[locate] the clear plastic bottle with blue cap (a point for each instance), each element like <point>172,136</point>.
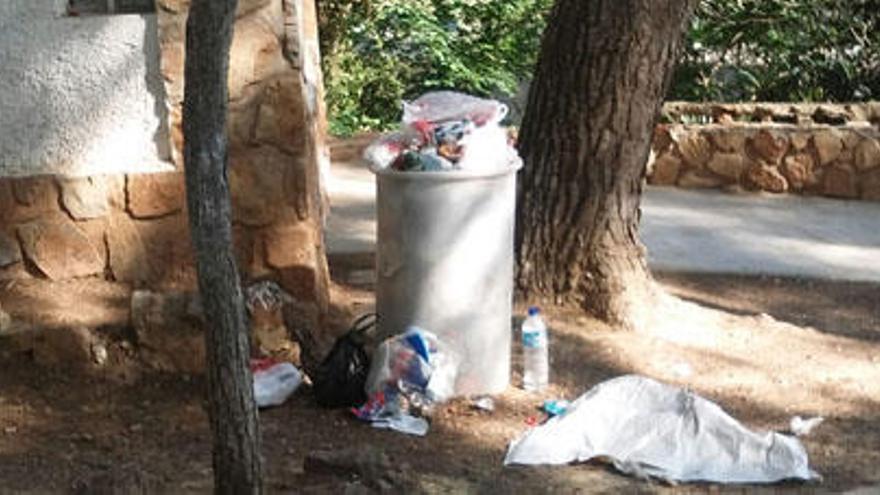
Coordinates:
<point>536,359</point>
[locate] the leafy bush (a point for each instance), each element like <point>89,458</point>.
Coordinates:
<point>378,52</point>
<point>781,50</point>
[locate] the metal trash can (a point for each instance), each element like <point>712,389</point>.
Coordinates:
<point>444,263</point>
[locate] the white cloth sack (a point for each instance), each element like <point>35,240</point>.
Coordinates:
<point>648,428</point>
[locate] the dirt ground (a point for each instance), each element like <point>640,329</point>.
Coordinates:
<point>764,348</point>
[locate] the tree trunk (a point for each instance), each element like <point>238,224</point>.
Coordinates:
<point>602,74</point>
<point>233,414</point>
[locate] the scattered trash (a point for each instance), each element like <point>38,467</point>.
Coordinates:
<point>649,429</point>
<point>445,130</point>
<point>341,378</point>
<point>266,295</point>
<point>555,407</point>
<point>536,359</point>
<point>802,427</point>
<point>410,373</point>
<point>99,353</point>
<point>274,382</point>
<point>484,403</point>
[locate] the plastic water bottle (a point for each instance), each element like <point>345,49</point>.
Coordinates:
<point>536,365</point>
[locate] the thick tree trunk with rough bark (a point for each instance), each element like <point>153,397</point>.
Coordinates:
<point>602,74</point>
<point>233,414</point>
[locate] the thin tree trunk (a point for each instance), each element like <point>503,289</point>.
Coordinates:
<point>602,74</point>
<point>233,414</point>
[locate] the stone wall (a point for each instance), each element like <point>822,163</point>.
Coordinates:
<point>133,227</point>
<point>828,150</point>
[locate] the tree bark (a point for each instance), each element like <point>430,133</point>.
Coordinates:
<point>602,74</point>
<point>233,414</point>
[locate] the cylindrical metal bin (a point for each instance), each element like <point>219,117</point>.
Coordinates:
<point>444,263</point>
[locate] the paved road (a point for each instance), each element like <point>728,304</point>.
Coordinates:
<point>695,231</point>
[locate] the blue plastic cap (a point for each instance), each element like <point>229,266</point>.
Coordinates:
<point>534,310</point>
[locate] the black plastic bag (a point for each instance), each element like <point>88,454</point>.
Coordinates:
<point>340,379</point>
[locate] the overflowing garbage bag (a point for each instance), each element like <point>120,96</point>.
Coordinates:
<point>409,374</point>
<point>446,131</point>
<point>650,429</point>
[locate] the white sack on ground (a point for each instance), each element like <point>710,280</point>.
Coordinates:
<point>649,428</point>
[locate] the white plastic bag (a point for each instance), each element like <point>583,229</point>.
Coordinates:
<point>443,106</point>
<point>275,383</point>
<point>415,363</point>
<point>486,148</point>
<point>648,428</point>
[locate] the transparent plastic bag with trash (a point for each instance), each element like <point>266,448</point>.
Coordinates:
<point>409,374</point>
<point>445,131</point>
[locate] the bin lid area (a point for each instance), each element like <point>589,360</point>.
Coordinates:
<point>447,175</point>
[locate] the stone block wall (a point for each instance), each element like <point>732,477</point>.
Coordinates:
<point>827,150</point>
<point>133,227</point>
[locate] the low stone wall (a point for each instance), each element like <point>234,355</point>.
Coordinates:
<point>828,150</point>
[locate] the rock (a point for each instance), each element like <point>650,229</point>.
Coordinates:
<point>256,184</point>
<point>246,7</point>
<point>695,149</point>
<point>64,347</point>
<point>867,154</point>
<point>7,201</point>
<point>84,198</point>
<point>168,336</point>
<point>115,186</point>
<point>662,140</point>
<point>798,169</point>
<point>839,182</point>
<point>10,252</point>
<point>240,125</point>
<point>155,195</point>
<point>128,255</point>
<point>799,140</point>
<point>30,191</point>
<point>33,197</point>
<point>764,177</point>
<point>173,6</point>
<point>59,249</point>
<point>362,461</point>
<point>730,165</point>
<point>254,55</point>
<point>665,170</point>
<point>291,245</point>
<point>870,185</point>
<point>697,179</point>
<point>729,139</point>
<point>769,146</point>
<point>281,115</point>
<point>168,246</point>
<point>5,321</point>
<point>828,145</point>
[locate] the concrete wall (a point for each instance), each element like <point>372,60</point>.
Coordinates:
<point>79,95</point>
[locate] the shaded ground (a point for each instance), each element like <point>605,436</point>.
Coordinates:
<point>782,347</point>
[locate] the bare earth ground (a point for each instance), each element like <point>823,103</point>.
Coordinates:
<point>764,348</point>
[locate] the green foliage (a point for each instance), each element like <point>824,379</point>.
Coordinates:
<point>781,50</point>
<point>378,53</point>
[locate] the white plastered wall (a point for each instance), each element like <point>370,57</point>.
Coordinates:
<point>79,95</point>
